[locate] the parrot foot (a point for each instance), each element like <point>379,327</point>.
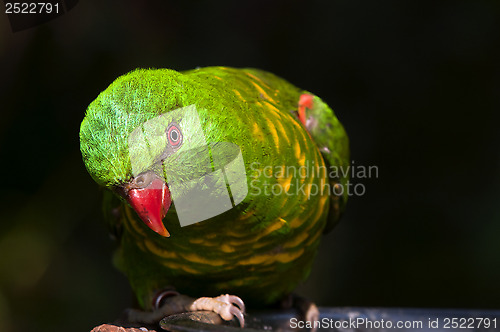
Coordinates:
<point>170,302</point>
<point>226,306</point>
<point>307,309</point>
<point>115,328</point>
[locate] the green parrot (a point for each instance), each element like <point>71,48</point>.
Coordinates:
<point>219,180</point>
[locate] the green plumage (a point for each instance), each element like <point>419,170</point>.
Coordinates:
<point>264,246</point>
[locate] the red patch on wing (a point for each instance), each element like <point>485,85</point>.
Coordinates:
<point>305,101</point>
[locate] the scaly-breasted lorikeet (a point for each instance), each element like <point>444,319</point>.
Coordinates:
<point>239,165</point>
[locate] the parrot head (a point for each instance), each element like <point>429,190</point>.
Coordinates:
<point>137,137</point>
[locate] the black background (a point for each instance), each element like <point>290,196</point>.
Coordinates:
<point>416,85</point>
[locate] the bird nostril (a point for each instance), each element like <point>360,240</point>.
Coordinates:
<point>142,180</point>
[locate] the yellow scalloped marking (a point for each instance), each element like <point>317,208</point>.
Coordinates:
<point>227,248</point>
<point>283,132</point>
<point>160,252</point>
<point>246,215</point>
<point>132,223</point>
<point>257,259</point>
<point>238,94</point>
<point>296,222</point>
<point>257,79</point>
<point>296,150</point>
<point>192,257</point>
<point>301,237</point>
<point>274,133</point>
<point>176,266</point>
<point>195,240</point>
<point>277,224</point>
<point>275,111</point>
<point>241,242</point>
<point>257,131</point>
<point>265,259</point>
<point>313,238</point>
<point>263,92</point>
<point>285,182</point>
<point>287,257</point>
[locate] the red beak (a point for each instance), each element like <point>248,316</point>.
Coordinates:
<point>151,204</point>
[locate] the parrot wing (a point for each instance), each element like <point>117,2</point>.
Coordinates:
<point>328,134</point>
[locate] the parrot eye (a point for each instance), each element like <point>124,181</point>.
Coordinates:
<point>174,135</point>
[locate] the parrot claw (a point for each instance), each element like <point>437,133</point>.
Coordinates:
<point>226,306</point>
<point>170,302</point>
<point>306,309</point>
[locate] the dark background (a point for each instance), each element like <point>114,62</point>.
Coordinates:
<point>417,86</point>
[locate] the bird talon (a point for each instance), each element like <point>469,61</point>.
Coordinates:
<point>232,299</point>
<point>238,314</point>
<point>226,306</point>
